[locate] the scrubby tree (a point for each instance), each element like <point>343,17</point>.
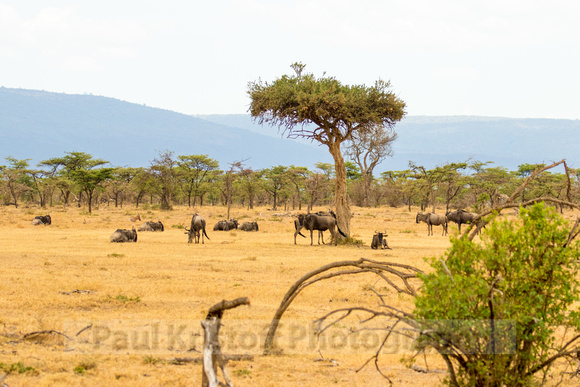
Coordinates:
<point>196,172</point>
<point>72,170</point>
<point>274,181</point>
<point>16,178</point>
<point>297,179</point>
<point>163,171</point>
<point>368,148</point>
<point>325,110</point>
<point>90,179</point>
<point>250,184</point>
<point>488,182</point>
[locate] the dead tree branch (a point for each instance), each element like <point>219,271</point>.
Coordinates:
<point>363,265</point>
<point>212,353</point>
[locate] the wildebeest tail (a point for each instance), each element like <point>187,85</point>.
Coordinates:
<point>340,231</point>
<point>205,233</point>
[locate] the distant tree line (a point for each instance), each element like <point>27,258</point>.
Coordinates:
<point>79,179</point>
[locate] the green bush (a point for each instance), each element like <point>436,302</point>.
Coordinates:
<point>493,308</point>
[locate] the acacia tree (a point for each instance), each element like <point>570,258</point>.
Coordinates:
<point>368,148</point>
<point>275,179</point>
<point>197,171</point>
<point>89,180</point>
<point>15,177</point>
<point>249,182</point>
<point>163,170</point>
<point>325,110</point>
<point>297,179</point>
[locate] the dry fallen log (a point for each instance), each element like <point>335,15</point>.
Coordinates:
<point>212,353</point>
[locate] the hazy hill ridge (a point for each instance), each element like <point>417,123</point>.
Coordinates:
<point>40,125</point>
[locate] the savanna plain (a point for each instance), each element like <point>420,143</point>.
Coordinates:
<point>76,309</point>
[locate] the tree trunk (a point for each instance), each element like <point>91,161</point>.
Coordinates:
<point>343,214</point>
<point>367,180</point>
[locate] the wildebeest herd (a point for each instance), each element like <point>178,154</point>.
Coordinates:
<point>320,221</point>
<point>431,219</point>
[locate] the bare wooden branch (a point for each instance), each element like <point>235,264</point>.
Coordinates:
<point>46,332</point>
<point>363,265</point>
<point>212,353</point>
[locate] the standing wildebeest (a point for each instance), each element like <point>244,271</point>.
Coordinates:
<point>298,224</point>
<point>249,226</point>
<point>321,223</point>
<point>121,235</point>
<point>151,226</point>
<point>196,229</point>
<point>226,225</point>
<point>432,219</point>
<point>38,220</point>
<point>461,216</point>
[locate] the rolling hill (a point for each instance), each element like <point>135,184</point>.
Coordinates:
<point>38,125</point>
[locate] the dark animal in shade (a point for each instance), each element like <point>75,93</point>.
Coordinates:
<point>121,236</point>
<point>379,240</point>
<point>432,219</point>
<point>249,226</point>
<point>196,229</point>
<point>38,220</point>
<point>461,216</point>
<point>152,226</point>
<point>226,225</point>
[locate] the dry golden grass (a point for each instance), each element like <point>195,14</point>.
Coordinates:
<point>161,277</point>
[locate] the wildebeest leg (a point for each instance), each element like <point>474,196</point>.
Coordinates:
<point>320,235</point>
<point>311,237</point>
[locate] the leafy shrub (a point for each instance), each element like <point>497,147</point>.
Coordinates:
<point>493,308</point>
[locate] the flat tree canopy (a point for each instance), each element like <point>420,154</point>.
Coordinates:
<point>325,110</point>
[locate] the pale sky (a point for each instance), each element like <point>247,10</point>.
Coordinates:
<point>503,58</point>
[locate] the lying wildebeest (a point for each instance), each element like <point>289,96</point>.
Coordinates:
<point>151,226</point>
<point>432,219</point>
<point>380,240</point>
<point>249,226</point>
<point>196,229</point>
<point>226,225</point>
<point>321,223</point>
<point>121,235</point>
<point>38,220</point>
<point>461,216</point>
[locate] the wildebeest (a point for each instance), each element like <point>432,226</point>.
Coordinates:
<point>196,229</point>
<point>432,219</point>
<point>379,240</point>
<point>226,225</point>
<point>38,220</point>
<point>321,223</point>
<point>249,226</point>
<point>461,216</point>
<point>121,235</point>
<point>152,226</point>
<point>299,223</point>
